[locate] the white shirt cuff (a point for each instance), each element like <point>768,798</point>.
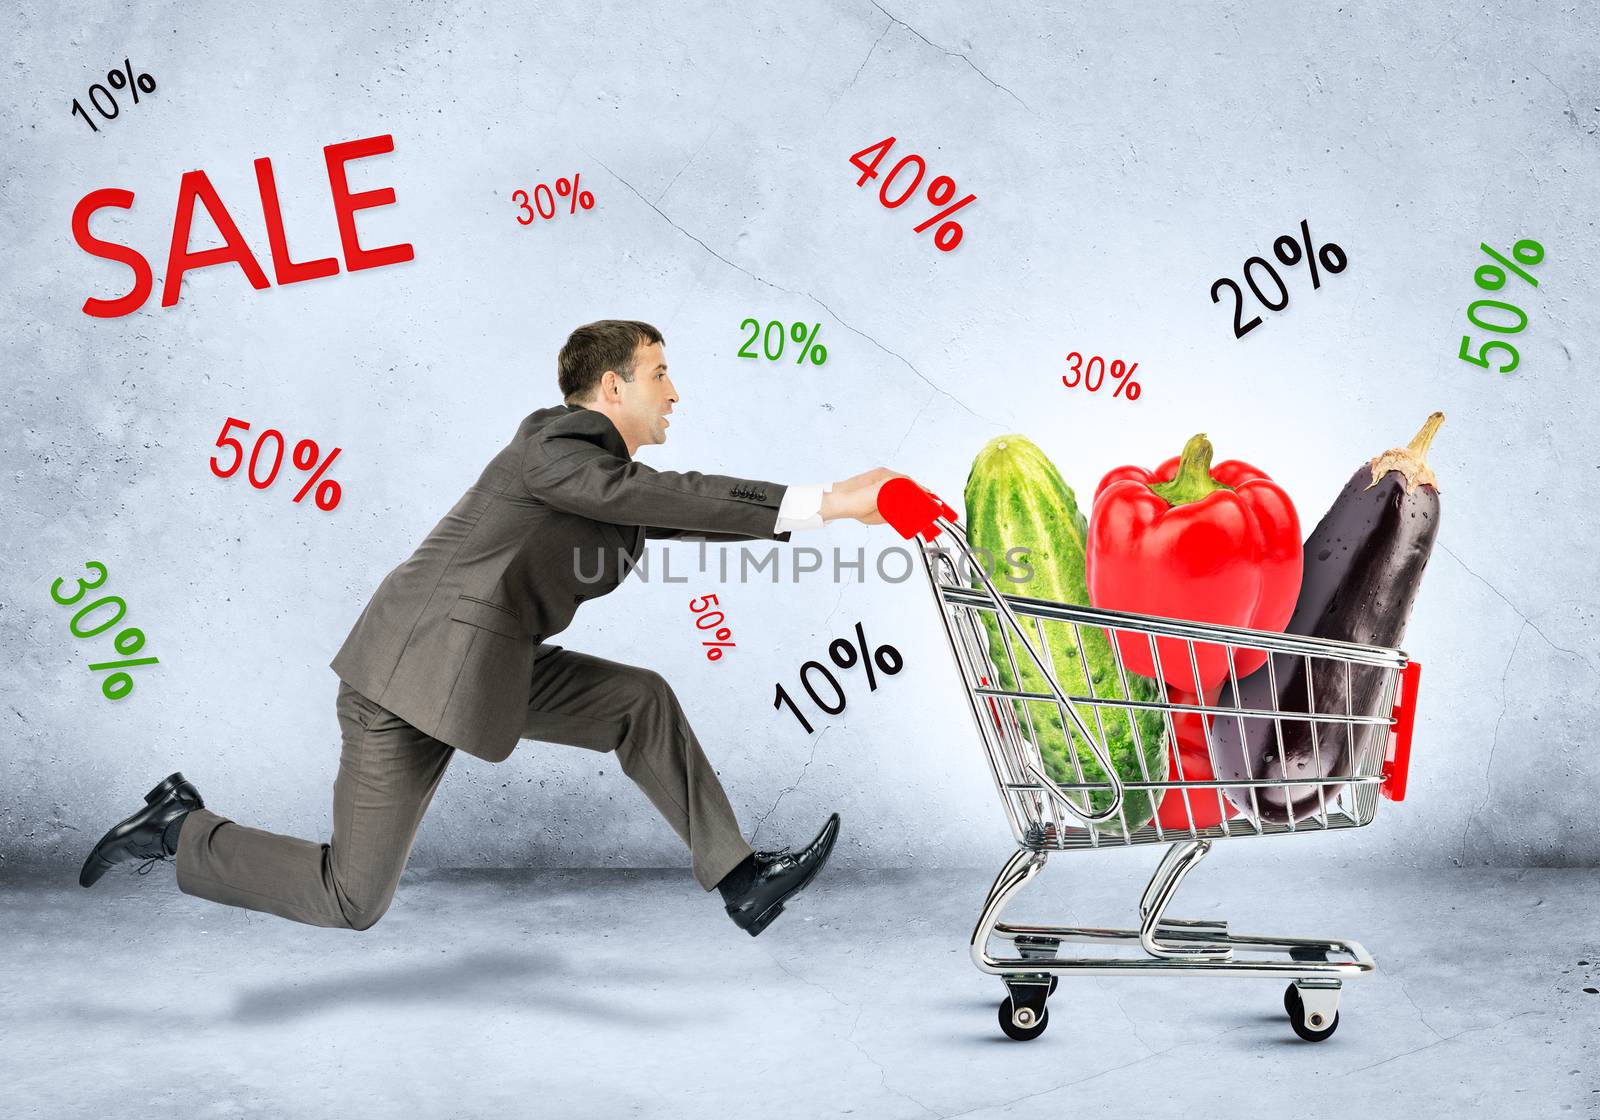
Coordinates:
<point>801,508</point>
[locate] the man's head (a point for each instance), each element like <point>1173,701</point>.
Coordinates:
<point>617,367</point>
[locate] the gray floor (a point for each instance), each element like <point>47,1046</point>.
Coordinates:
<point>628,993</point>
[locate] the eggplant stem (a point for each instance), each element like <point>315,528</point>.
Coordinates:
<point>1419,442</point>
<point>1411,460</point>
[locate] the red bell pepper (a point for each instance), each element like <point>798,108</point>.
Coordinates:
<point>1190,541</point>
<point>1186,748</point>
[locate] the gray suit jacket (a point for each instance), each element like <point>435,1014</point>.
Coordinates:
<point>447,642</point>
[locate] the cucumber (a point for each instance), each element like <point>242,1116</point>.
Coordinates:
<point>1016,498</point>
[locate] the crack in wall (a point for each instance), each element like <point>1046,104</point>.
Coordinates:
<point>883,1079</point>
<point>762,820</point>
<point>851,84</point>
<point>883,1074</point>
<point>1132,1025</point>
<point>836,602</point>
<point>686,163</point>
<point>1441,1041</point>
<point>1433,53</point>
<point>912,426</point>
<point>1417,1009</point>
<point>854,78</point>
<point>1501,596</point>
<point>812,983</point>
<point>1488,770</point>
<point>955,54</point>
<point>1090,1077</point>
<point>1571,114</point>
<point>790,291</point>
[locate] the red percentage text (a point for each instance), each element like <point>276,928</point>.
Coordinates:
<point>564,188</point>
<point>940,191</point>
<point>713,649</point>
<point>1091,379</point>
<point>305,456</point>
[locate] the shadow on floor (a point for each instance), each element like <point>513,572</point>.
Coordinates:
<point>519,980</point>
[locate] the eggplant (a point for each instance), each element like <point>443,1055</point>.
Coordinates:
<point>1363,565</point>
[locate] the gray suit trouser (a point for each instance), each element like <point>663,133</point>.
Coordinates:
<point>388,772</point>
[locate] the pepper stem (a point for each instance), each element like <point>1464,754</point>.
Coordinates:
<point>1193,480</point>
<point>1411,460</point>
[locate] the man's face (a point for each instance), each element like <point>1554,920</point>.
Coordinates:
<point>647,399</point>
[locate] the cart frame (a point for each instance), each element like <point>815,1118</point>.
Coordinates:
<point>1045,816</point>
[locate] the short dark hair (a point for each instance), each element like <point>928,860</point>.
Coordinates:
<point>596,347</point>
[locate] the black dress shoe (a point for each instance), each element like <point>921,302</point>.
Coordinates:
<point>779,877</point>
<point>141,835</point>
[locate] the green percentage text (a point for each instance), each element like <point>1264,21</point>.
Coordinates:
<point>129,641</point>
<point>809,347</point>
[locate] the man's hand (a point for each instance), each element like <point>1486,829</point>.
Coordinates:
<point>857,497</point>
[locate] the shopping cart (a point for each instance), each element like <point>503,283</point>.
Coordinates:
<point>992,633</point>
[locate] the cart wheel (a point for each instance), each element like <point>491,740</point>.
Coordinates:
<point>1054,980</point>
<point>1021,1033</point>
<point>1293,1004</point>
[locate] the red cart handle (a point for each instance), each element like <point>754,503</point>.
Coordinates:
<point>911,509</point>
<point>1397,764</point>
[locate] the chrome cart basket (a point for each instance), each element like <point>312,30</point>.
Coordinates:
<point>1005,648</point>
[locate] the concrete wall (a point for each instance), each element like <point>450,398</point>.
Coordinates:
<point>1122,162</point>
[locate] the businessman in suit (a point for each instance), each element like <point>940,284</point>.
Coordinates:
<point>452,653</point>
